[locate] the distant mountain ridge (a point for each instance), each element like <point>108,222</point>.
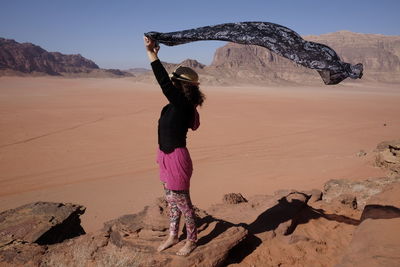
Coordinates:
<point>379,54</point>
<point>27,58</point>
<point>233,64</point>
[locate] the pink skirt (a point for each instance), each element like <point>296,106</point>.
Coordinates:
<point>175,168</point>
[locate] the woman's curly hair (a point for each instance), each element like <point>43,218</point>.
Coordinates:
<point>192,92</point>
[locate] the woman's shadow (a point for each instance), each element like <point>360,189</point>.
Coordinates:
<point>294,212</point>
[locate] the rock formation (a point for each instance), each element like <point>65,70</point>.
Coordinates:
<point>355,193</point>
<point>41,223</point>
<point>29,59</point>
<point>257,65</point>
<point>232,64</point>
<point>235,64</point>
<point>388,156</point>
<point>130,240</point>
<point>233,198</point>
<point>26,231</point>
<point>376,239</point>
<point>379,54</point>
<point>347,224</point>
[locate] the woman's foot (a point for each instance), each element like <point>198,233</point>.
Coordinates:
<point>187,248</point>
<point>172,240</point>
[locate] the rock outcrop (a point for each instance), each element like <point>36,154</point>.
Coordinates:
<point>215,239</point>
<point>233,198</point>
<point>41,223</point>
<point>30,59</point>
<point>349,223</point>
<point>385,205</point>
<point>375,243</point>
<point>388,156</point>
<point>251,64</point>
<point>130,240</point>
<point>224,235</point>
<point>287,228</point>
<point>355,193</point>
<point>379,54</point>
<point>26,231</point>
<point>235,64</point>
<point>376,239</point>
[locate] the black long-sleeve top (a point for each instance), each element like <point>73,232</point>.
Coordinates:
<point>176,117</point>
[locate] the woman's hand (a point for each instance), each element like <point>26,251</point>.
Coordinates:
<point>152,48</point>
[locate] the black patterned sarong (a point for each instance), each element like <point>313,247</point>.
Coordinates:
<point>279,39</point>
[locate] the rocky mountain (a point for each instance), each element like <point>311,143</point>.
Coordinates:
<point>256,65</point>
<point>379,54</point>
<point>235,64</point>
<point>27,58</point>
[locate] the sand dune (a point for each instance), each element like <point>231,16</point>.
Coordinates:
<point>93,141</point>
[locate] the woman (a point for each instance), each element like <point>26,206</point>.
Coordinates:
<point>180,114</point>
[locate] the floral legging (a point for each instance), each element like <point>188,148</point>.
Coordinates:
<point>179,202</point>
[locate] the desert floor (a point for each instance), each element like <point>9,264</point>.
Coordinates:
<point>93,141</point>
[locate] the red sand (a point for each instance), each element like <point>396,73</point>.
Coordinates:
<point>93,141</point>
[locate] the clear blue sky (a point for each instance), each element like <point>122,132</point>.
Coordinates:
<point>110,32</point>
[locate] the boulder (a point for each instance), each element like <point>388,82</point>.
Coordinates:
<point>20,253</point>
<point>385,205</point>
<point>316,195</point>
<point>41,223</point>
<point>26,231</point>
<point>233,198</point>
<point>298,198</point>
<point>361,153</point>
<point>153,217</point>
<point>342,191</point>
<point>375,243</point>
<point>388,155</point>
<point>348,200</point>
